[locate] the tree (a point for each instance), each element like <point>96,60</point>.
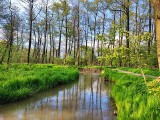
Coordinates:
<point>150,26</point>
<point>10,22</point>
<point>156,4</point>
<point>44,54</point>
<point>30,9</point>
<point>110,31</point>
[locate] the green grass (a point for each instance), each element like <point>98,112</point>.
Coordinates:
<point>153,72</point>
<point>134,99</point>
<point>22,80</point>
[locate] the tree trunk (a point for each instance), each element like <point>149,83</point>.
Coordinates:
<point>50,38</point>
<point>150,26</point>
<point>127,33</point>
<point>74,39</point>
<point>156,4</point>
<point>45,37</point>
<point>94,39</point>
<point>66,36</point>
<point>103,32</point>
<point>30,29</point>
<point>60,37</point>
<point>11,36</point>
<point>78,44</point>
<point>53,46</point>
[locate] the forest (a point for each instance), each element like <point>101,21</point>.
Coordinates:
<point>100,32</point>
<point>45,44</point>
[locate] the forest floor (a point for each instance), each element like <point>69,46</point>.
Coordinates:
<point>136,74</point>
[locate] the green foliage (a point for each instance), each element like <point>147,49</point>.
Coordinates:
<point>22,80</point>
<point>133,99</point>
<point>101,37</point>
<point>58,61</point>
<point>69,60</point>
<point>113,56</point>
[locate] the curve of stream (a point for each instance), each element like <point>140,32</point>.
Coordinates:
<point>86,99</point>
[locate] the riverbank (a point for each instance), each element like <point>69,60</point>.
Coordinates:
<point>147,71</point>
<point>87,98</point>
<point>134,99</point>
<point>23,80</point>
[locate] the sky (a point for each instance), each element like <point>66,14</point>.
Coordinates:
<point>19,1</point>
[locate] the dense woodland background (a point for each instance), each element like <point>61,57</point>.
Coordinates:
<point>84,32</point>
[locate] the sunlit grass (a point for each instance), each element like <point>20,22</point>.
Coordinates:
<point>21,81</point>
<point>134,99</point>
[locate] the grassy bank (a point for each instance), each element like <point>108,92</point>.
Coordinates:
<point>95,67</point>
<point>134,99</point>
<point>153,72</point>
<point>21,81</point>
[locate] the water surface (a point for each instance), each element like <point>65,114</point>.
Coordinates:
<point>86,99</point>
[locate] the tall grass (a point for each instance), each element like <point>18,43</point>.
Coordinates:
<point>134,99</point>
<point>21,81</point>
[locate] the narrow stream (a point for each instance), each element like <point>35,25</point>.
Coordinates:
<point>86,99</point>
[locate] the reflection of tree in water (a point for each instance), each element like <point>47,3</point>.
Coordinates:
<point>85,99</point>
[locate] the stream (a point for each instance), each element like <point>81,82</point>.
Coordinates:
<point>85,99</point>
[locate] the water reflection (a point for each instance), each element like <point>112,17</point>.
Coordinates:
<point>86,99</point>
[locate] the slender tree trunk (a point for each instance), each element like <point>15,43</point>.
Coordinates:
<point>60,37</point>
<point>98,42</point>
<point>71,45</point>
<point>35,46</point>
<point>45,35</point>
<point>86,36</point>
<point>46,55</point>
<point>150,26</point>
<point>30,29</point>
<point>39,46</point>
<point>51,45</point>
<point>94,39</point>
<point>78,44</point>
<point>120,37</point>
<point>22,43</point>
<point>103,30</point>
<point>127,33</point>
<point>74,39</point>
<point>18,45</point>
<point>66,37</point>
<point>136,24</point>
<point>11,36</point>
<point>114,28</point>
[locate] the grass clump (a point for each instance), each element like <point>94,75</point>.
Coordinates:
<point>134,99</point>
<point>21,81</point>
